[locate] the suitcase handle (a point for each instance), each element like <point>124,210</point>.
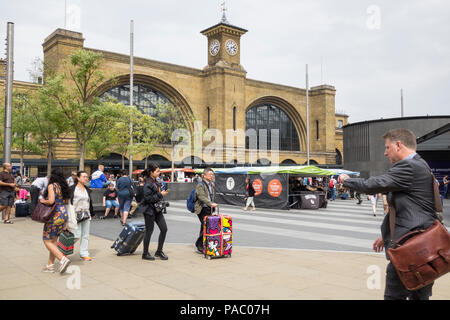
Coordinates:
<point>212,210</point>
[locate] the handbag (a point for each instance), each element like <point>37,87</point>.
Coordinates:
<point>66,241</point>
<point>83,215</point>
<point>420,256</point>
<point>43,213</point>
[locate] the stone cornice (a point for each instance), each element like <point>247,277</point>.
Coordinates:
<point>125,59</point>
<point>225,28</point>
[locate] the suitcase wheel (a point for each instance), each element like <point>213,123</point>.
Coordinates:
<point>208,257</point>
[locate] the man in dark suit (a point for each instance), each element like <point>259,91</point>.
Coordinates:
<point>410,181</point>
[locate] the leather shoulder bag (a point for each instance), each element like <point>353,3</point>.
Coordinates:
<point>420,256</point>
<point>43,213</point>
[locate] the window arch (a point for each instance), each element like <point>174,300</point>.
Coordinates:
<point>269,116</point>
<point>145,98</point>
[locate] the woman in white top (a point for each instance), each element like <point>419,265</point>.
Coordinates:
<point>82,204</point>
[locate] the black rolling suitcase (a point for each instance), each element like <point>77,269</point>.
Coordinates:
<point>22,209</point>
<point>130,238</point>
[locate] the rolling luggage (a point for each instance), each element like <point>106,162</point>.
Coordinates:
<point>130,238</point>
<point>22,209</point>
<point>217,236</point>
<point>309,201</point>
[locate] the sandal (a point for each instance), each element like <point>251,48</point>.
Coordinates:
<point>49,268</point>
<point>8,222</point>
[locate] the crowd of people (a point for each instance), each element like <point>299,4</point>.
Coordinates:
<point>74,193</point>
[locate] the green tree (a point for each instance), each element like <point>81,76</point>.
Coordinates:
<point>48,124</point>
<point>169,118</point>
<point>22,124</point>
<point>74,92</point>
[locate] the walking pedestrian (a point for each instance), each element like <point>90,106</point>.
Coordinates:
<point>123,186</point>
<point>7,193</point>
<point>410,190</point>
<point>110,199</point>
<point>37,190</point>
<point>332,186</point>
<point>446,182</point>
<point>82,204</point>
<point>71,179</point>
<point>204,204</point>
<point>152,195</point>
<point>250,191</point>
<point>57,192</point>
<point>374,201</point>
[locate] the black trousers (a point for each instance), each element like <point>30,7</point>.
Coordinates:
<point>201,216</point>
<point>34,193</point>
<point>395,289</point>
<point>150,225</point>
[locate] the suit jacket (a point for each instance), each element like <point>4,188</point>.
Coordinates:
<point>411,183</point>
<point>201,196</point>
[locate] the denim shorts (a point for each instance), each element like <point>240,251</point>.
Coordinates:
<point>110,203</point>
<point>125,204</point>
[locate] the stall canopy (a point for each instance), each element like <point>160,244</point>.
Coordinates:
<point>341,171</point>
<point>271,184</point>
<point>307,171</point>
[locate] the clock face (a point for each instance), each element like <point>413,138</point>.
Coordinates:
<point>214,47</point>
<point>231,47</point>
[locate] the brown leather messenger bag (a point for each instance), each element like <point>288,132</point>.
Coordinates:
<point>420,256</point>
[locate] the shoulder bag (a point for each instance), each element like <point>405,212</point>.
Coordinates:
<point>420,256</point>
<point>43,213</point>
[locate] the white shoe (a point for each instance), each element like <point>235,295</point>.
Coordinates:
<point>49,268</point>
<point>64,263</point>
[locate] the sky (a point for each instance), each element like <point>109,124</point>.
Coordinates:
<point>367,50</point>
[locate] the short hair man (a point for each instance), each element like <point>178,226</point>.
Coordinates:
<point>204,204</point>
<point>98,178</point>
<point>410,181</point>
<point>7,185</point>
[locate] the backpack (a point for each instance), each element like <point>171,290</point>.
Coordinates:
<point>331,185</point>
<point>190,202</point>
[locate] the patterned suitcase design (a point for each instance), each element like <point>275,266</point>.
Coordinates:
<point>217,236</point>
<point>130,238</point>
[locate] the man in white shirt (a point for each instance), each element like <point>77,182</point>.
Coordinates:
<point>37,190</point>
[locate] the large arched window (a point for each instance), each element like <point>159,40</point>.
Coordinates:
<point>268,116</point>
<point>145,98</point>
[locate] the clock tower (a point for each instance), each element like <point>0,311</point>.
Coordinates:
<point>224,45</point>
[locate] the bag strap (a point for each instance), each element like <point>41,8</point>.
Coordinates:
<point>437,204</point>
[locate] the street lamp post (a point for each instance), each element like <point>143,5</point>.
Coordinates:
<point>8,93</point>
<point>131,95</point>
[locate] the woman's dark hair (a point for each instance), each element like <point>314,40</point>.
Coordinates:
<point>123,172</point>
<point>57,177</point>
<point>75,180</point>
<point>152,166</point>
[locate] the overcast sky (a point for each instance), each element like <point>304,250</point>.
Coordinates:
<point>368,50</point>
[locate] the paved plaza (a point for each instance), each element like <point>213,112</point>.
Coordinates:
<point>322,254</point>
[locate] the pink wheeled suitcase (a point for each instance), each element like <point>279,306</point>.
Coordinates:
<point>217,236</point>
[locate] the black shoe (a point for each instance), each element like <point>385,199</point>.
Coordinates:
<point>161,255</point>
<point>199,250</point>
<point>148,256</point>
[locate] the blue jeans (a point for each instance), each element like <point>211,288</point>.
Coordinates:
<point>446,191</point>
<point>82,233</point>
<point>333,193</point>
<point>110,203</point>
<point>125,204</point>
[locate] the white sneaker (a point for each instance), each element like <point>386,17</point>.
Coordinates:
<point>64,263</point>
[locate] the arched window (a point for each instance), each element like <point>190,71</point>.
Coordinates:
<point>145,98</point>
<point>268,117</point>
<point>338,157</point>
